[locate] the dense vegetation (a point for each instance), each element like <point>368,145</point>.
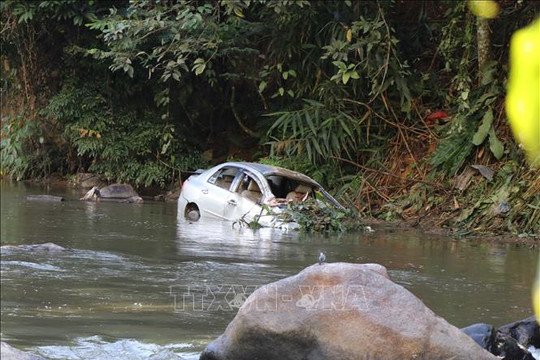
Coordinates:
<point>386,102</point>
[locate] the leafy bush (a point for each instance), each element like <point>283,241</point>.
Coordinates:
<point>142,150</point>
<point>24,150</point>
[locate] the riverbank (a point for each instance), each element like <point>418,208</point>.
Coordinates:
<point>428,226</point>
<point>431,223</point>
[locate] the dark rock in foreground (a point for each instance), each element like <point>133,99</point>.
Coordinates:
<point>482,334</point>
<point>509,341</point>
<point>526,331</point>
<point>44,198</point>
<point>339,311</point>
<point>8,352</point>
<point>507,347</point>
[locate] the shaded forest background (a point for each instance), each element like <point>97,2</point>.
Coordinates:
<point>396,106</point>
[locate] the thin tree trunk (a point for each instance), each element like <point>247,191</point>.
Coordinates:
<point>483,39</point>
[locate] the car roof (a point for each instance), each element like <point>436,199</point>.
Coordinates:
<point>268,170</point>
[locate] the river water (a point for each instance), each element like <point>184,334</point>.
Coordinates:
<point>138,283</point>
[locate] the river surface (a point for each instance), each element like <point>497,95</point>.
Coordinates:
<point>135,282</point>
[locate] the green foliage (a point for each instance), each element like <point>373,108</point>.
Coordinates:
<point>137,89</point>
<point>121,146</point>
<point>313,215</point>
<point>314,131</point>
<point>17,136</point>
<point>472,124</point>
<point>58,10</point>
<point>301,163</point>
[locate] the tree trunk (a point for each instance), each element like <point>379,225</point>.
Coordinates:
<point>483,39</point>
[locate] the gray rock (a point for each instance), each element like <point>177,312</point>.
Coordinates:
<point>118,191</point>
<point>339,311</point>
<point>8,352</point>
<point>44,198</point>
<point>482,334</point>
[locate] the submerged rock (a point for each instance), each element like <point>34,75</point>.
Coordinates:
<point>45,247</point>
<point>44,198</point>
<point>8,352</point>
<point>339,311</point>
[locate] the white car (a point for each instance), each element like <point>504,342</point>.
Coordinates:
<point>239,191</point>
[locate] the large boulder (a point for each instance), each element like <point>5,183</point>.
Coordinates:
<point>339,311</point>
<point>8,352</point>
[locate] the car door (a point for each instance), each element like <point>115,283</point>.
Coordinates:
<point>245,198</point>
<point>215,192</point>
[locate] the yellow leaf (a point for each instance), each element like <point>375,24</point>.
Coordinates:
<point>238,12</point>
<point>484,8</point>
<point>349,35</point>
<point>523,97</point>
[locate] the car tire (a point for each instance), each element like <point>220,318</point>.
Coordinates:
<point>192,212</point>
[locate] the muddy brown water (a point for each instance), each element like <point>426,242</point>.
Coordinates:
<point>138,282</point>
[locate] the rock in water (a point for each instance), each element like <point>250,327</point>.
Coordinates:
<point>8,352</point>
<point>44,198</point>
<point>118,191</point>
<point>482,334</point>
<point>526,331</point>
<point>339,311</point>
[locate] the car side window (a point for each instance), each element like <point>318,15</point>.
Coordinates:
<point>223,177</point>
<point>250,189</point>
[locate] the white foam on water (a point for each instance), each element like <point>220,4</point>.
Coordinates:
<point>32,265</point>
<point>534,352</point>
<point>95,347</point>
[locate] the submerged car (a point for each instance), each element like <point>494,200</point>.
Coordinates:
<point>249,192</point>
